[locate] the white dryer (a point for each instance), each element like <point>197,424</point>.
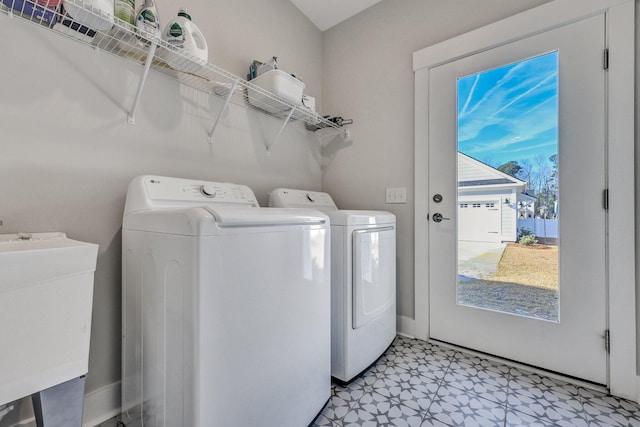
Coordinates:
<point>226,307</point>
<point>363,280</point>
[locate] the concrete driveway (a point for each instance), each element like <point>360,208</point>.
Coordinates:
<point>478,260</point>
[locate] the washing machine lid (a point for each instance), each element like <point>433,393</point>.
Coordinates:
<point>207,220</point>
<point>358,217</point>
<point>292,198</point>
<point>194,208</point>
<point>226,217</point>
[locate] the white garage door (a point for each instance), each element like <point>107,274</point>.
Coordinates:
<point>479,221</point>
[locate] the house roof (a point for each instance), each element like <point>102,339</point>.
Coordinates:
<point>474,173</point>
<point>525,197</point>
<point>485,182</point>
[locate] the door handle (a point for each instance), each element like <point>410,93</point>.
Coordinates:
<point>437,217</point>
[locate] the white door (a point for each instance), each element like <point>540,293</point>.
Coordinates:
<point>572,342</point>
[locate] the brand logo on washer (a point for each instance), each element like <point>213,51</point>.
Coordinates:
<point>155,181</point>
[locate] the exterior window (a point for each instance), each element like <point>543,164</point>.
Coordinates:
<point>507,126</point>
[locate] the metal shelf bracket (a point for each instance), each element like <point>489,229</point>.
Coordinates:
<point>131,119</point>
<point>224,109</point>
<point>268,146</point>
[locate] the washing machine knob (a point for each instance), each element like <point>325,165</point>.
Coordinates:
<point>311,197</point>
<point>208,190</point>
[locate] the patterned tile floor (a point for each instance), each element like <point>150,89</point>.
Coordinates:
<point>416,383</point>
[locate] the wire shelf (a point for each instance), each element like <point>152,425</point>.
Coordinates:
<point>109,34</point>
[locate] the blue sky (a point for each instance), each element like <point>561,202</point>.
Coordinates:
<point>511,112</point>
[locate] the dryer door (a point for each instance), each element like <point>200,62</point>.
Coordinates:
<point>374,273</point>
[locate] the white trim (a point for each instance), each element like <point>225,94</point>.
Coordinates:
<point>622,291</point>
<point>29,422</point>
<point>421,201</point>
<point>533,21</point>
<point>101,405</point>
<point>621,118</point>
<point>405,326</point>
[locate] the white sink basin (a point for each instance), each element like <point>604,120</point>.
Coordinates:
<point>46,294</point>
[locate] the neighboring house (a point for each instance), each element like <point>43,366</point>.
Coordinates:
<point>526,205</point>
<point>489,202</point>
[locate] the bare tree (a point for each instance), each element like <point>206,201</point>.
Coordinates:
<point>544,184</point>
<point>527,173</point>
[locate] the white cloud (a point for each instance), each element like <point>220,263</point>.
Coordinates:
<point>515,113</point>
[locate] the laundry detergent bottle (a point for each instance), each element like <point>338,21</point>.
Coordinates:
<point>183,35</point>
<point>125,10</point>
<point>148,21</point>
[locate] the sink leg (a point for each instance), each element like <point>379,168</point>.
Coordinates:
<point>60,405</point>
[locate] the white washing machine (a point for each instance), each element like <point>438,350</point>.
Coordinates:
<point>363,280</point>
<point>226,308</point>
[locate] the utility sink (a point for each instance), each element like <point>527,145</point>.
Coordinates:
<point>46,294</point>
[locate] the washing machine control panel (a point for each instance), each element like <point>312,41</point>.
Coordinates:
<point>290,198</point>
<point>163,190</point>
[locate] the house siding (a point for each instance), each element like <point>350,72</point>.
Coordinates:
<point>467,171</point>
<point>509,225</point>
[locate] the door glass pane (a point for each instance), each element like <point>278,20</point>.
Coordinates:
<point>508,200</point>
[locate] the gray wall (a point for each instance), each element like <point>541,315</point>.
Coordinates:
<point>67,153</point>
<point>368,75</point>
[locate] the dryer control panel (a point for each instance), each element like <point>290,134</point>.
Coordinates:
<point>291,198</point>
<point>146,192</point>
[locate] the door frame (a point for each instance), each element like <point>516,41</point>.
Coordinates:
<point>620,123</point>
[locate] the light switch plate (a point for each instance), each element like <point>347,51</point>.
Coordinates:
<point>396,195</point>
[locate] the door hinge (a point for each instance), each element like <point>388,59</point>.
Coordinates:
<point>605,59</point>
<point>605,199</point>
<point>607,341</point>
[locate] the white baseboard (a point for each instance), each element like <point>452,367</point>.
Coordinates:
<point>101,405</point>
<point>31,422</point>
<point>405,326</point>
